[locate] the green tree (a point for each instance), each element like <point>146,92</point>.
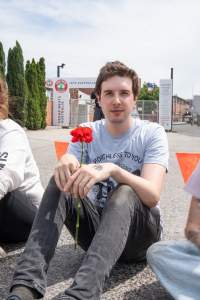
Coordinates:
<point>2,61</point>
<point>34,118</point>
<point>42,90</point>
<point>147,94</point>
<point>151,97</point>
<point>16,83</point>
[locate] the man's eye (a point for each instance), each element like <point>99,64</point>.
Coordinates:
<point>124,93</point>
<point>108,93</point>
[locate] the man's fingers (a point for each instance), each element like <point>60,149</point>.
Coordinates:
<point>74,167</point>
<point>61,176</point>
<point>69,184</point>
<point>88,186</point>
<point>81,186</point>
<point>76,186</point>
<point>57,180</point>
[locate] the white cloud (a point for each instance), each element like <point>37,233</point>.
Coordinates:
<point>150,36</point>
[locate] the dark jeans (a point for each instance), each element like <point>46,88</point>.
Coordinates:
<point>124,230</point>
<point>16,217</point>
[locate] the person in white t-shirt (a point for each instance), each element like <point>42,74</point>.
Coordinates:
<point>20,187</point>
<point>177,263</point>
<point>119,185</point>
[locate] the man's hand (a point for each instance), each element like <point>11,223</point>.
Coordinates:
<point>192,230</point>
<point>85,177</point>
<point>67,165</point>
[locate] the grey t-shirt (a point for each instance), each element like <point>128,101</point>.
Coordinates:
<point>144,143</point>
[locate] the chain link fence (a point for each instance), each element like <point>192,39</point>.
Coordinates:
<point>148,110</point>
<point>80,112</point>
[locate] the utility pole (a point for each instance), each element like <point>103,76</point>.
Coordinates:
<point>58,69</point>
<point>172,109</point>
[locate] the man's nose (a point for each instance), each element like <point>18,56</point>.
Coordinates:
<point>116,98</point>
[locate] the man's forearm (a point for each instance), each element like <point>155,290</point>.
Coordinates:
<point>146,190</point>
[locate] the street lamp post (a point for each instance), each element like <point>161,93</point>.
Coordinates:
<point>58,69</point>
<point>172,108</point>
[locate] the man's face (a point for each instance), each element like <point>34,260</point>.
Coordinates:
<point>117,99</point>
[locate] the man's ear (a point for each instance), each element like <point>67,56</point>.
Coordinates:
<point>98,99</point>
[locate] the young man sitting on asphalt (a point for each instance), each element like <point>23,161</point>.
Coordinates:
<point>119,187</point>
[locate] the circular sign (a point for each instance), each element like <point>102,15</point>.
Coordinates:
<point>61,86</point>
<point>49,83</point>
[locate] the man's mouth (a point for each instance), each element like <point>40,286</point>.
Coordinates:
<point>116,111</point>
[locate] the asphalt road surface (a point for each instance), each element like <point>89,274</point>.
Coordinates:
<point>126,281</point>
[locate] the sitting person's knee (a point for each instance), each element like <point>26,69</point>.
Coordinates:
<point>124,194</point>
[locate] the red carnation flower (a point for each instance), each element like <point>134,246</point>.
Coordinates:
<point>82,134</point>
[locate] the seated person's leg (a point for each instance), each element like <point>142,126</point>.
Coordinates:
<point>55,209</point>
<point>16,217</point>
<point>145,230</point>
<point>120,216</point>
<point>177,266</point>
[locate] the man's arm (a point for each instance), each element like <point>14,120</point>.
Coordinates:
<point>148,186</point>
<point>192,230</point>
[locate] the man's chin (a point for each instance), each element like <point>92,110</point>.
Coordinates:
<point>117,121</point>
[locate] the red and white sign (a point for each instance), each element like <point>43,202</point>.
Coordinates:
<point>61,86</point>
<point>49,83</point>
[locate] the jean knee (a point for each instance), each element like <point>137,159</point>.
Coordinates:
<point>160,251</point>
<point>123,195</point>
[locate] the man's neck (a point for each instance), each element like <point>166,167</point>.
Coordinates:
<point>117,129</point>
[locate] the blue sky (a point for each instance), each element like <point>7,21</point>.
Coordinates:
<point>149,36</point>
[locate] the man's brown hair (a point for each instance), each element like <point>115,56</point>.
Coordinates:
<point>116,68</point>
<point>3,99</point>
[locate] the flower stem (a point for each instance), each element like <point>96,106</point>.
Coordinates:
<point>77,222</point>
<point>81,162</point>
<point>78,206</point>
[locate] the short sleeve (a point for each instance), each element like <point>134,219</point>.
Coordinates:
<point>156,149</point>
<point>75,149</point>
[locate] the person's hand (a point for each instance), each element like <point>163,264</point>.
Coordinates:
<point>192,230</point>
<point>85,177</point>
<point>67,165</point>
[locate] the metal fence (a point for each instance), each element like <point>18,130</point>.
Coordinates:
<point>80,112</point>
<point>148,110</point>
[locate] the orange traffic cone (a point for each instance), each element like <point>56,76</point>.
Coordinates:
<point>187,163</point>
<point>60,148</point>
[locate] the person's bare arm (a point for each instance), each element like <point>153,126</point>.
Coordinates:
<point>192,230</point>
<point>67,165</point>
<point>148,186</point>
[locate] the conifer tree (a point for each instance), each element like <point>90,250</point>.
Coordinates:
<point>16,83</point>
<point>34,118</point>
<point>42,90</point>
<point>2,61</point>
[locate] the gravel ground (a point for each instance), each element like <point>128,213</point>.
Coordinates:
<point>126,281</point>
